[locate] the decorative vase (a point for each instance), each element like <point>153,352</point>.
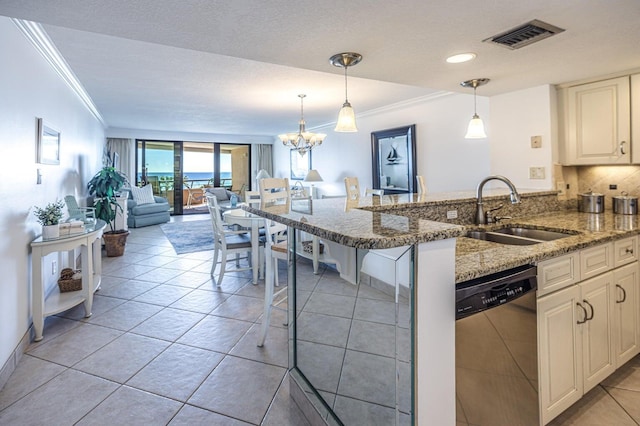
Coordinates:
<point>50,232</point>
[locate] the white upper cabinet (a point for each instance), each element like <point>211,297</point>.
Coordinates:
<point>596,124</point>
<point>635,118</point>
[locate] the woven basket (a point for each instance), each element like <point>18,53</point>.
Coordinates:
<point>66,282</point>
<point>307,247</point>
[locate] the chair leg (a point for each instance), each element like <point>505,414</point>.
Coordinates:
<point>216,253</point>
<point>268,298</point>
<point>315,249</point>
<point>237,260</point>
<point>223,265</point>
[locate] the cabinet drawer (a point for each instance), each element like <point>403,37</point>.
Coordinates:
<point>625,251</point>
<point>557,273</point>
<point>596,260</point>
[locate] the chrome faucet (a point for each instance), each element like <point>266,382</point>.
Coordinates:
<point>515,197</point>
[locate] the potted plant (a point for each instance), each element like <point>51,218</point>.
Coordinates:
<point>48,217</point>
<point>104,187</point>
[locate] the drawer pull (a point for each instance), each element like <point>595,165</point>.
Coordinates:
<point>624,294</point>
<point>584,311</point>
<point>590,317</point>
<point>628,250</point>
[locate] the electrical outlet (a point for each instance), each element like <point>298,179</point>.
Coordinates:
<point>536,172</point>
<point>613,186</point>
<point>536,141</point>
<point>452,214</point>
<point>54,267</point>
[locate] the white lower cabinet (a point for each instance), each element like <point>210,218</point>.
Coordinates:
<point>585,332</point>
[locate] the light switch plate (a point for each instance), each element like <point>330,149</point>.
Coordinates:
<point>536,141</point>
<point>452,214</point>
<point>536,172</point>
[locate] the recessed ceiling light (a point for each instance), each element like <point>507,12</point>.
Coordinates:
<point>462,57</point>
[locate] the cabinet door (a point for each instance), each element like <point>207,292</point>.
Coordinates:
<point>626,311</point>
<point>635,118</point>
<point>559,352</point>
<point>598,122</point>
<point>597,331</point>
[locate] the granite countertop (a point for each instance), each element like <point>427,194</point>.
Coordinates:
<point>369,223</point>
<point>476,258</point>
<point>346,223</point>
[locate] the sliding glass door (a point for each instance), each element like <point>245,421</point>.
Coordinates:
<point>181,171</point>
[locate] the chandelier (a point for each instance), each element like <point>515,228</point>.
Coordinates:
<point>302,141</point>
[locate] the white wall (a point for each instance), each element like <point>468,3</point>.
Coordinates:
<point>515,117</point>
<point>30,88</point>
<point>446,160</point>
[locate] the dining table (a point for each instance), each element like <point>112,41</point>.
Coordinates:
<point>253,223</point>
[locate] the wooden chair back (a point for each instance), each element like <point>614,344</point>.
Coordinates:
<point>353,187</point>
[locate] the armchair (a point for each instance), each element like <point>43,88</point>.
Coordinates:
<point>148,213</point>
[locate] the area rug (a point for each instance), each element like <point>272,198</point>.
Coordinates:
<point>189,236</point>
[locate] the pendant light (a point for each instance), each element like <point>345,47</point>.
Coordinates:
<point>476,126</point>
<point>346,116</point>
<point>302,141</point>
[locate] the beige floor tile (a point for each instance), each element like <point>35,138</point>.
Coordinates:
<point>122,358</point>
<point>190,279</point>
<point>284,410</point>
<point>126,316</point>
<point>629,400</point>
<point>596,408</point>
<point>215,333</point>
<point>30,374</point>
<point>190,415</point>
<point>177,372</point>
<point>275,350</point>
<point>202,301</point>
<point>64,400</point>
<point>240,307</point>
<point>72,347</point>
<point>168,324</point>
<point>239,388</point>
<point>128,406</point>
<point>163,295</point>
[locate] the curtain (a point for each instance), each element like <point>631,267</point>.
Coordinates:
<point>264,158</point>
<point>126,158</point>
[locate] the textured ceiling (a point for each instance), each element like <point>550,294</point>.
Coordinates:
<point>237,66</point>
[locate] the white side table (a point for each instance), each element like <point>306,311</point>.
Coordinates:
<point>43,305</point>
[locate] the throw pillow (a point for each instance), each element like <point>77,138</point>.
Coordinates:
<point>220,193</point>
<point>143,195</point>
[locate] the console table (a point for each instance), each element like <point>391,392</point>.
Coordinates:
<point>43,305</point>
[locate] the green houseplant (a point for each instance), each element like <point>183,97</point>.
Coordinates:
<point>48,217</point>
<point>104,187</point>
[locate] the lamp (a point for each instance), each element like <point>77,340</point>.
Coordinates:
<point>476,126</point>
<point>346,116</point>
<point>302,141</point>
<point>313,176</point>
<point>262,174</point>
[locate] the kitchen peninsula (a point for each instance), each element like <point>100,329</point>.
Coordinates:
<point>442,256</point>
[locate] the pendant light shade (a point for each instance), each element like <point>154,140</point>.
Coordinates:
<point>475,130</point>
<point>346,116</point>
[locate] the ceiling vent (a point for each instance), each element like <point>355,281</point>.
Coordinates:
<point>525,34</point>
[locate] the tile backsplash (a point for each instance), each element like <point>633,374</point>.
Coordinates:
<point>599,178</point>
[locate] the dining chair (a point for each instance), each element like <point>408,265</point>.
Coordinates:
<point>370,192</point>
<point>274,191</point>
<point>252,198</point>
<point>227,241</point>
<point>275,249</point>
<point>422,187</point>
<point>196,195</point>
<point>353,188</point>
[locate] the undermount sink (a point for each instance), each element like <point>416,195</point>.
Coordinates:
<point>517,235</point>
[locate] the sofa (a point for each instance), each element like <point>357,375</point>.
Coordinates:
<point>149,213</point>
<point>223,195</point>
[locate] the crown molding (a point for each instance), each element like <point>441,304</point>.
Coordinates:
<point>43,44</point>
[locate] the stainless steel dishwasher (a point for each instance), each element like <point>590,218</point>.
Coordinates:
<point>496,349</point>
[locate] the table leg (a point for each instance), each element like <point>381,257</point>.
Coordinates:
<point>87,278</point>
<point>38,295</point>
<point>255,250</point>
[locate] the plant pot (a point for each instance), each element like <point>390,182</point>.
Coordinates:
<point>50,232</point>
<point>114,242</point>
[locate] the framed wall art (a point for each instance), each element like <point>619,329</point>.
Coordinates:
<point>47,144</point>
<point>394,160</point>
<point>300,164</point>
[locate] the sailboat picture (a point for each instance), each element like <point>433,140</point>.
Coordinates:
<point>393,157</point>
